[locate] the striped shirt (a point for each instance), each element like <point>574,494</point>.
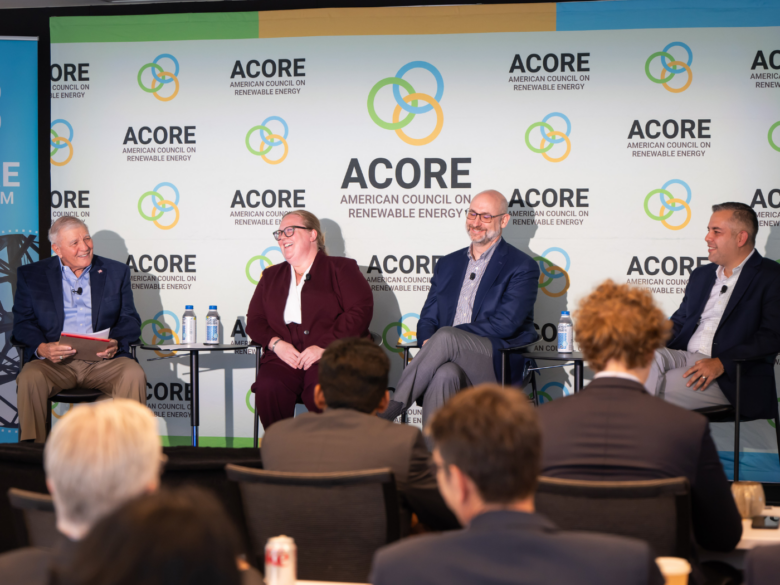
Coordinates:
<point>470,285</point>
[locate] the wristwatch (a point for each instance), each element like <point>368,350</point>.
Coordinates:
<point>274,345</point>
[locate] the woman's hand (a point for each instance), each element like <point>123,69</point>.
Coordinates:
<point>287,353</point>
<point>310,355</point>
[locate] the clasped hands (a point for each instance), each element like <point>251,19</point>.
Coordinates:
<point>703,373</point>
<point>297,359</point>
<point>56,353</point>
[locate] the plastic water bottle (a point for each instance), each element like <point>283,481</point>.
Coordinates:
<point>565,333</point>
<point>189,326</point>
<point>212,326</point>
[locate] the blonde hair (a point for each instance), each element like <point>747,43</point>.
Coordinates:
<point>100,456</point>
<point>621,322</point>
<point>310,221</point>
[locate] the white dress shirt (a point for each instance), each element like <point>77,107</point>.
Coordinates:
<point>701,340</point>
<point>292,310</point>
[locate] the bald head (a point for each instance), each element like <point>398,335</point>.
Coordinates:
<point>494,199</point>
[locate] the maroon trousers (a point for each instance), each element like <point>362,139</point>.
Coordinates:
<point>279,387</point>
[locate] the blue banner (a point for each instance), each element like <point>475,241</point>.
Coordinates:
<point>18,200</point>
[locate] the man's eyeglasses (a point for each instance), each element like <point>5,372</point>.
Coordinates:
<point>288,231</point>
<point>485,217</point>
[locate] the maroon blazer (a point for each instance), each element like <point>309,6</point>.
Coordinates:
<point>336,302</point>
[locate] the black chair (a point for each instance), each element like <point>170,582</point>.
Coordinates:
<point>656,511</point>
<point>338,520</point>
<point>729,413</point>
<point>69,396</point>
<point>34,520</point>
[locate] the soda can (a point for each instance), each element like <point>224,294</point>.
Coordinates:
<point>281,559</point>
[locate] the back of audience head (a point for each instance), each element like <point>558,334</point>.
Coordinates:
<point>487,440</point>
<point>353,374</point>
<point>171,536</point>
<point>620,324</point>
<point>97,458</point>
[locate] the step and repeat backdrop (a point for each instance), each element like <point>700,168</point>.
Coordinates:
<point>183,139</point>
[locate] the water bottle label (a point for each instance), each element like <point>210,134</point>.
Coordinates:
<point>565,342</point>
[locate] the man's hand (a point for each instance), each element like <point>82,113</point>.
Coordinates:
<point>55,352</point>
<point>310,355</point>
<point>113,347</point>
<point>424,342</point>
<point>704,372</point>
<point>287,353</point>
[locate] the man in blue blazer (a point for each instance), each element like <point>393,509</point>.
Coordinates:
<point>76,292</point>
<point>731,309</point>
<point>481,300</point>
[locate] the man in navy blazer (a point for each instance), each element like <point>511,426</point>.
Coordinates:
<point>80,293</point>
<point>731,310</point>
<point>481,300</point>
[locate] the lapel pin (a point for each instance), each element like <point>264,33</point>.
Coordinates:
<point>100,272</point>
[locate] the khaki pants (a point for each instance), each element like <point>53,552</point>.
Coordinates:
<point>39,379</point>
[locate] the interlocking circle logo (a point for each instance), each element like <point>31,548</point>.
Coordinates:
<point>772,143</point>
<point>544,395</point>
<point>59,142</point>
<point>669,206</point>
<point>268,142</point>
<point>265,262</point>
<point>550,271</point>
<point>399,332</point>
<point>409,103</point>
<point>162,333</point>
<point>549,134</point>
<point>161,205</point>
<point>161,77</point>
<point>674,67</point>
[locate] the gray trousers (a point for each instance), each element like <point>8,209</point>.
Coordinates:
<point>452,359</point>
<point>666,380</point>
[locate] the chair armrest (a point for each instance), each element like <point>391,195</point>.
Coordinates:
<point>20,347</point>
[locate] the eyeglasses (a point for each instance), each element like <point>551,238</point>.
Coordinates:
<point>485,217</point>
<point>288,231</point>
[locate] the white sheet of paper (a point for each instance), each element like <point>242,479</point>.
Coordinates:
<point>99,334</point>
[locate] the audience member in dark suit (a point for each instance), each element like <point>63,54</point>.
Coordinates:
<point>762,565</point>
<point>615,431</point>
<point>172,536</point>
<point>76,292</point>
<point>348,437</point>
<point>481,300</point>
<point>731,309</point>
<point>487,454</point>
<point>298,308</point>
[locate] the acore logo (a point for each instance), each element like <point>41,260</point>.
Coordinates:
<point>268,142</point>
<point>550,136</point>
<point>160,76</point>
<point>400,332</point>
<point>160,205</point>
<point>160,332</point>
<point>60,142</point>
<point>550,271</point>
<point>264,262</point>
<point>673,67</point>
<point>668,207</point>
<point>772,143</point>
<point>409,103</point>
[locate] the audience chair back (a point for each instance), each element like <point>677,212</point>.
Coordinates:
<point>338,520</point>
<point>656,511</point>
<point>34,520</point>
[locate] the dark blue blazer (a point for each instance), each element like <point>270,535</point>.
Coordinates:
<point>749,328</point>
<point>503,307</point>
<point>39,311</point>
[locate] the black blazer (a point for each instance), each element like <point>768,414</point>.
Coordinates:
<point>39,311</point>
<point>342,439</point>
<point>749,328</point>
<point>505,547</point>
<point>503,306</point>
<point>615,431</point>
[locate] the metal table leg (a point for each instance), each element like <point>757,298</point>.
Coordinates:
<point>195,398</point>
<point>578,375</point>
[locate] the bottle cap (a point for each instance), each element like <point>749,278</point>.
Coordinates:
<point>564,312</point>
<point>187,307</point>
<point>212,307</point>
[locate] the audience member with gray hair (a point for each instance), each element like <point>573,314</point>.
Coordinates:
<point>74,292</point>
<point>99,457</point>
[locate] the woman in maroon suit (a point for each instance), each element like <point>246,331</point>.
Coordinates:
<point>298,308</point>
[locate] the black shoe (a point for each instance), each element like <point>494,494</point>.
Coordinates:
<point>393,410</point>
